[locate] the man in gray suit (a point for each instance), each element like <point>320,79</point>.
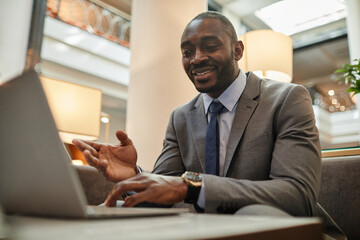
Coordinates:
<point>268,161</point>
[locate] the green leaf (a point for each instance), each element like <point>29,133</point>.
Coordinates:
<point>340,71</point>
<point>350,74</point>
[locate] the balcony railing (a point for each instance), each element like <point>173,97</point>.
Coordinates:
<point>93,18</point>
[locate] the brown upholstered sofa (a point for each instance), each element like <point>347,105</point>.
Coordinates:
<point>339,193</point>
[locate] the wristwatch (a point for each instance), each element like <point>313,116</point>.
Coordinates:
<point>194,181</point>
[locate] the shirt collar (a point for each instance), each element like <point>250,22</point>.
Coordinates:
<point>230,96</point>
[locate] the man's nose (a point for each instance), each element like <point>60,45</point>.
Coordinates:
<point>198,58</point>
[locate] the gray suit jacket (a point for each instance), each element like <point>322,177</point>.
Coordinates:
<point>273,155</point>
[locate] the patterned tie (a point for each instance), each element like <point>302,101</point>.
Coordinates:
<point>212,139</point>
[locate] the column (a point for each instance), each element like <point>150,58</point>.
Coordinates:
<point>353,26</point>
<point>158,83</point>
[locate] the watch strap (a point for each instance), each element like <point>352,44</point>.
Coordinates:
<point>194,182</point>
<point>192,194</point>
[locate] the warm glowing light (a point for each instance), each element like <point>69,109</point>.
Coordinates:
<point>259,57</point>
<point>77,162</point>
<point>76,109</point>
<point>104,119</point>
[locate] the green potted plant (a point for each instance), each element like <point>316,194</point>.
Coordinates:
<point>350,74</point>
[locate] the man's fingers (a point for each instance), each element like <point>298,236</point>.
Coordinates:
<point>78,144</point>
<point>114,196</point>
<point>92,160</point>
<point>83,145</point>
<point>123,138</point>
<point>121,188</point>
<point>145,196</point>
<point>94,145</point>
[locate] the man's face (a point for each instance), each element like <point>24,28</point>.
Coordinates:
<point>209,58</point>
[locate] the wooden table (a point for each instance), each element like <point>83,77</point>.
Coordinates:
<point>184,226</point>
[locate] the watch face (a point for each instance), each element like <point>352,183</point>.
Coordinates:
<point>193,176</point>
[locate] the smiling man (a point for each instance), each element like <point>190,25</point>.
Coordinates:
<point>244,145</point>
<point>210,56</point>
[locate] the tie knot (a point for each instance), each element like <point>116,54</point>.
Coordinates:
<point>216,107</point>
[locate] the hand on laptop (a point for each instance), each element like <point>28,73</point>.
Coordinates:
<point>116,162</point>
<point>150,188</point>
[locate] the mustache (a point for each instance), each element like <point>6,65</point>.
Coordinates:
<point>201,65</point>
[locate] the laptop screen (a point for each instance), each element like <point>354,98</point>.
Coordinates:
<point>36,176</point>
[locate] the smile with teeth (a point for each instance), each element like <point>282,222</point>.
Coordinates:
<point>201,73</point>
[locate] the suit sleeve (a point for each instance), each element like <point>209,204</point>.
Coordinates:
<point>169,161</point>
<point>294,176</point>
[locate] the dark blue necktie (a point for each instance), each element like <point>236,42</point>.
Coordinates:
<point>212,139</point>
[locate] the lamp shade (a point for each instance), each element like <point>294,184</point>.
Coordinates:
<point>268,54</point>
<point>76,109</point>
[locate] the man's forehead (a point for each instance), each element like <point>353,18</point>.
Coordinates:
<point>203,24</point>
<point>207,26</point>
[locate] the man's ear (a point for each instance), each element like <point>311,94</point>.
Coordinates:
<point>239,50</point>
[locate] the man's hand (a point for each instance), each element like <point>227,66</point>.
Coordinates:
<point>151,188</point>
<point>117,162</point>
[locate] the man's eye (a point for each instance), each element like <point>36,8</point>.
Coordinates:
<point>210,47</point>
<point>187,53</point>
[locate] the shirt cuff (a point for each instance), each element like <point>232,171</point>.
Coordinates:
<point>139,169</point>
<point>201,200</point>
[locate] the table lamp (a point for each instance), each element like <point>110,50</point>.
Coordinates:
<point>268,54</point>
<point>76,110</point>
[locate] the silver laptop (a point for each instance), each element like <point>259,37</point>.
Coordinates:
<point>36,175</point>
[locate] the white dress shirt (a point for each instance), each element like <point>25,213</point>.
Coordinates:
<point>229,98</point>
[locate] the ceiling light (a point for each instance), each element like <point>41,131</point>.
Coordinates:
<point>293,16</point>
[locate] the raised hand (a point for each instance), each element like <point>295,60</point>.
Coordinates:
<point>150,188</point>
<point>116,162</point>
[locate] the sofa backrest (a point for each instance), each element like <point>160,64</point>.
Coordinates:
<point>95,185</point>
<point>340,192</point>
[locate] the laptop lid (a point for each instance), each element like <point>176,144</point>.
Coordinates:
<point>36,176</point>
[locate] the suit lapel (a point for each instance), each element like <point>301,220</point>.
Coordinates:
<point>244,110</point>
<point>198,124</point>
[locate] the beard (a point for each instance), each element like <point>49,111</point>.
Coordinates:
<point>224,77</point>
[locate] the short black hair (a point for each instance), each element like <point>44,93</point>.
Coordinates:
<point>228,27</point>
